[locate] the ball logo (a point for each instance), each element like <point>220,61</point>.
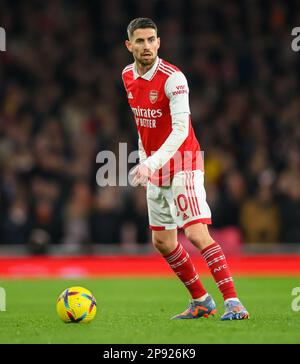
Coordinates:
<point>153,96</point>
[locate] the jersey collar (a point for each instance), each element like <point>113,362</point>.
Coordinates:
<point>149,74</point>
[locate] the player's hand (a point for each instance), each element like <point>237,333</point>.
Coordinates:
<point>141,175</point>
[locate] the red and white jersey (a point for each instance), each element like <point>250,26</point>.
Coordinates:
<point>154,98</point>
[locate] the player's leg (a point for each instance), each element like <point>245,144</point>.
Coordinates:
<point>165,242</point>
<point>215,258</point>
<point>212,253</point>
<point>191,204</point>
<point>164,237</point>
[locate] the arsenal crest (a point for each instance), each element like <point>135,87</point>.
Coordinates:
<point>153,96</point>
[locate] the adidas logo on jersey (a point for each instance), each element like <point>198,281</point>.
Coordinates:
<point>185,216</point>
<point>130,95</point>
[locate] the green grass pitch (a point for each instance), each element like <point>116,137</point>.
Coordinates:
<point>138,311</point>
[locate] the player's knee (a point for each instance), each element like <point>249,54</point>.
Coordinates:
<point>162,245</point>
<point>199,240</point>
<point>158,243</point>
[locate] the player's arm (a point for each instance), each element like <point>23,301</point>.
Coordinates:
<point>177,90</point>
<point>142,153</point>
<point>140,172</point>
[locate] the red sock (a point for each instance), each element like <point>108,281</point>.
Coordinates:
<point>216,261</point>
<point>180,261</point>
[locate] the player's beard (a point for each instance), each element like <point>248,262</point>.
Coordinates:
<point>146,61</point>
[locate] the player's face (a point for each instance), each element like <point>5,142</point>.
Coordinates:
<point>144,45</point>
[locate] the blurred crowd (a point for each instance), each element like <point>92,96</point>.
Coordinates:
<point>62,102</point>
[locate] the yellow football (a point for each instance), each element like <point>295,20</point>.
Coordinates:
<point>76,305</point>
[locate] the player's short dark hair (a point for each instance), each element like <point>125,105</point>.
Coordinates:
<point>140,23</point>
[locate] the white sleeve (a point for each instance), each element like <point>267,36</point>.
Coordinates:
<point>142,153</point>
<point>180,131</point>
<point>177,90</point>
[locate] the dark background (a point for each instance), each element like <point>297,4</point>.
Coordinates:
<point>62,101</point>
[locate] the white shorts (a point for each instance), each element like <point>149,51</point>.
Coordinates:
<point>179,205</point>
